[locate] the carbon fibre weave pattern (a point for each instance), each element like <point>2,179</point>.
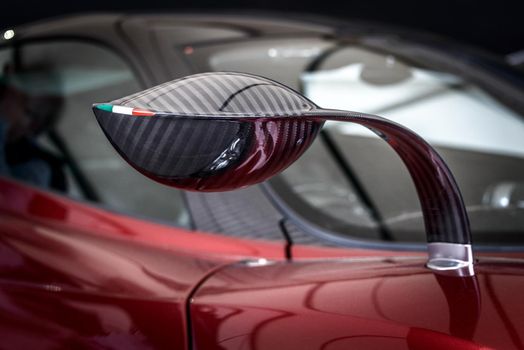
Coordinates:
<point>171,147</point>
<point>255,128</point>
<point>214,94</point>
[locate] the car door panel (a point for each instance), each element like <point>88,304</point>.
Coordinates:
<point>73,275</point>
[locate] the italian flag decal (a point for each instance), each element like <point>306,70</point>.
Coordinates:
<point>126,110</point>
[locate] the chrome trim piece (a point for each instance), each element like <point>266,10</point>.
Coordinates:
<point>451,259</point>
<point>257,262</point>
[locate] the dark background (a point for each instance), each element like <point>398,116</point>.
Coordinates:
<point>496,26</point>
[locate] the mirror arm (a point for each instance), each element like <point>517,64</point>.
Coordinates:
<point>445,217</point>
<point>220,131</point>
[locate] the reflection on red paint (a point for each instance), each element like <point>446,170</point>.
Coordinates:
<point>424,339</point>
<point>362,304</point>
<point>63,214</point>
<point>273,145</point>
<point>76,276</point>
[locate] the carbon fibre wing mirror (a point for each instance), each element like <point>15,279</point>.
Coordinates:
<point>222,131</point>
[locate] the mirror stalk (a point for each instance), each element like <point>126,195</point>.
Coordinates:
<point>445,217</point>
<point>225,130</point>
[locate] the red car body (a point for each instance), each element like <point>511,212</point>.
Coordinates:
<point>109,281</point>
<point>77,276</point>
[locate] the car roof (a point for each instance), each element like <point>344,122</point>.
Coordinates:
<point>118,30</point>
<point>89,24</point>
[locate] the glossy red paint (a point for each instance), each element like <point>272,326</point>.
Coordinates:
<point>41,207</point>
<point>362,304</point>
<point>61,213</point>
<point>62,289</point>
<point>75,276</point>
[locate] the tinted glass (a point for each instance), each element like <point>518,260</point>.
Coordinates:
<point>51,138</point>
<point>481,139</point>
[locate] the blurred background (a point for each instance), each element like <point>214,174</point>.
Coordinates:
<point>495,26</point>
<point>365,55</point>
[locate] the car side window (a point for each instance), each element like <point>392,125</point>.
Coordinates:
<point>51,139</point>
<point>350,182</point>
<point>480,138</point>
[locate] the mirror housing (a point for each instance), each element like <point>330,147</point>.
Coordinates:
<point>221,131</point>
<point>210,132</point>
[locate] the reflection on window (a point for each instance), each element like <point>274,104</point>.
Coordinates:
<point>51,139</point>
<point>480,138</point>
<point>280,59</point>
<point>441,107</point>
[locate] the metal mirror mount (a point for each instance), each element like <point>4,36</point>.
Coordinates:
<point>221,131</point>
